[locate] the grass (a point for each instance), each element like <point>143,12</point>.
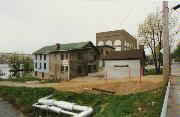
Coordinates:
<point>152,71</point>
<point>134,105</point>
<point>22,79</point>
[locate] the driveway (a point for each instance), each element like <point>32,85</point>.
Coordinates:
<point>6,110</point>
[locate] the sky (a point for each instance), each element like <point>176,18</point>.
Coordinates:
<point>27,25</point>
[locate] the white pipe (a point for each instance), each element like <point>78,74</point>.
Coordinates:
<point>54,109</point>
<point>58,106</point>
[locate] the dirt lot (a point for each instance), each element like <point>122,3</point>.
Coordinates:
<point>121,86</point>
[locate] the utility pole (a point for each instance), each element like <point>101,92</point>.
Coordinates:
<point>165,44</point>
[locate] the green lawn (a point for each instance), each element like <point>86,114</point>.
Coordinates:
<point>134,105</point>
<point>152,71</point>
<point>21,79</point>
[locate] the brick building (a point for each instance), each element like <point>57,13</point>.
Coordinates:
<point>119,39</point>
<point>104,50</point>
<point>66,61</point>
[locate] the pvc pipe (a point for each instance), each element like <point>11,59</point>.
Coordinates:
<point>54,109</point>
<point>58,106</point>
<point>85,113</point>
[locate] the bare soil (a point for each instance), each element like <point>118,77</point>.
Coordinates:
<point>122,86</point>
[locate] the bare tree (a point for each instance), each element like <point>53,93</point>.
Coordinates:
<point>150,35</point>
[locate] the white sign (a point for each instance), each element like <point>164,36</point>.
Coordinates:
<point>65,62</point>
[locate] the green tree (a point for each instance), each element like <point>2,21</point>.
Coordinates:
<point>176,53</point>
<point>150,35</point>
<point>20,65</point>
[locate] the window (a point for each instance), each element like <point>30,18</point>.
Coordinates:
<point>44,65</point>
<point>117,43</point>
<point>100,43</point>
<point>117,48</point>
<point>62,69</point>
<point>66,68</point>
<point>62,56</point>
<point>35,64</point>
<point>66,55</point>
<point>44,56</point>
<point>36,56</point>
<point>80,56</point>
<point>79,69</point>
<point>40,57</point>
<point>42,74</point>
<point>106,52</point>
<point>39,65</point>
<point>109,43</point>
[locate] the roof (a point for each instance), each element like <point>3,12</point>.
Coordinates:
<point>63,47</point>
<point>126,55</point>
<point>114,33</point>
<point>105,46</point>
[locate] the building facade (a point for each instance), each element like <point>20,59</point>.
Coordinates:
<point>124,64</point>
<point>104,50</point>
<point>120,39</point>
<point>66,61</point>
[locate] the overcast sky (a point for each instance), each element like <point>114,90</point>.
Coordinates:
<point>27,25</point>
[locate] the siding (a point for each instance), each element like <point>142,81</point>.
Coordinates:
<point>42,61</point>
<point>121,72</point>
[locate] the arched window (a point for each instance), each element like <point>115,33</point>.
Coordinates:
<point>109,43</point>
<point>128,44</point>
<point>100,43</point>
<point>117,48</point>
<point>117,42</point>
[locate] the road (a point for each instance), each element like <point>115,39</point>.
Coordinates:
<point>6,110</point>
<point>173,109</point>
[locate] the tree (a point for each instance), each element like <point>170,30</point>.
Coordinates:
<point>176,53</point>
<point>150,35</point>
<point>20,65</point>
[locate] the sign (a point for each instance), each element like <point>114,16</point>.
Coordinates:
<point>65,62</point>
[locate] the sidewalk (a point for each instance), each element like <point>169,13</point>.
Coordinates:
<point>173,109</point>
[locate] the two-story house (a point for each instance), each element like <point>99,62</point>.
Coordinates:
<point>66,61</point>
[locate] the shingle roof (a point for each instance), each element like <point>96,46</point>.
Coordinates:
<point>125,55</point>
<point>69,46</point>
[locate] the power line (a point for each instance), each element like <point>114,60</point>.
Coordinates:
<point>130,10</point>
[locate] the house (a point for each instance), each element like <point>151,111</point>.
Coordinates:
<point>120,64</point>
<point>66,61</point>
<point>103,51</point>
<point>119,39</point>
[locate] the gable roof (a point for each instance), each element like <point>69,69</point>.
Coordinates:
<point>126,55</point>
<point>63,47</point>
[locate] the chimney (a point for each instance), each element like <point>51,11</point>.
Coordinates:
<point>57,46</point>
<point>141,47</point>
